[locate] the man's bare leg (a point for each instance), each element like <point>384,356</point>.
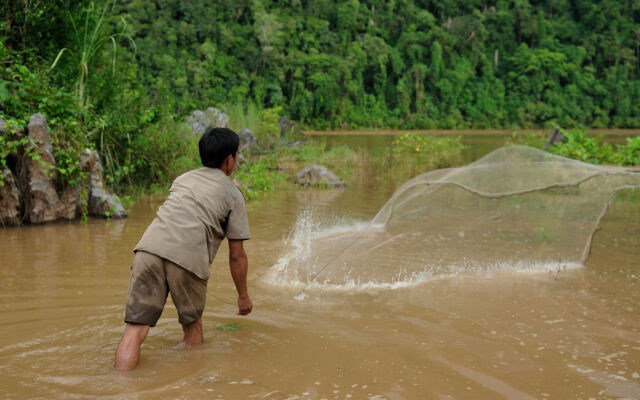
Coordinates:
<point>192,333</point>
<point>128,352</point>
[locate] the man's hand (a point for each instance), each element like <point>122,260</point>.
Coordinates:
<point>239,266</point>
<point>244,305</point>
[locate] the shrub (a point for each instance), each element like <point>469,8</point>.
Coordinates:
<point>432,151</point>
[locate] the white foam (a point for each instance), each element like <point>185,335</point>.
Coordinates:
<point>298,270</point>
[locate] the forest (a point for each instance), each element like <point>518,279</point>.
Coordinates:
<point>119,75</point>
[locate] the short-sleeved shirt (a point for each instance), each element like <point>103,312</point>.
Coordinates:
<point>204,206</point>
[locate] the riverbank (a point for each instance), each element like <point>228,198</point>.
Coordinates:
<point>474,132</point>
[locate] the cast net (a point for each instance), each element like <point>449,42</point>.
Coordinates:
<point>518,208</point>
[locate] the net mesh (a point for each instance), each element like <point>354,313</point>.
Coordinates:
<point>517,208</point>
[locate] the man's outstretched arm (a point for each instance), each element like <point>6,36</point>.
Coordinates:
<point>239,266</point>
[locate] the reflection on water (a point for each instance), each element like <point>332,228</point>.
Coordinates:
<point>566,334</point>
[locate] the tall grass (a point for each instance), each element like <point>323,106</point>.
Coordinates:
<point>243,116</point>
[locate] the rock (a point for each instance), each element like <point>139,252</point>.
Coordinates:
<point>9,200</point>
<point>68,205</point>
<point>287,126</point>
<point>200,121</point>
<point>555,137</point>
<point>39,133</point>
<point>91,165</point>
<point>2,125</point>
<point>317,175</point>
<point>248,142</point>
<point>105,204</point>
<point>41,199</point>
<point>101,202</point>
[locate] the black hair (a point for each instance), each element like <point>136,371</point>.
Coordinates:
<point>216,144</point>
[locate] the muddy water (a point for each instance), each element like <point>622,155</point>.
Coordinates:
<point>572,334</point>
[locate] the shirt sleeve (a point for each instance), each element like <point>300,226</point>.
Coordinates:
<point>238,223</point>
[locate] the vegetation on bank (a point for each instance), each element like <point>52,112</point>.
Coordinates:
<point>583,147</point>
<point>120,76</point>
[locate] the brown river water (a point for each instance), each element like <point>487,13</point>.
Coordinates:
<point>568,334</point>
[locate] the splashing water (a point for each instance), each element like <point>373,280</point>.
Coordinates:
<point>516,209</point>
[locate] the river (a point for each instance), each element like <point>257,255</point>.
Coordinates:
<point>570,334</point>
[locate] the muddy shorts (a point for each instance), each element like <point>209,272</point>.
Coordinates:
<point>152,278</point>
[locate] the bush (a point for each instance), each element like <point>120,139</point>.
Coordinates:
<point>432,151</point>
<point>628,154</point>
<point>260,176</point>
<point>583,147</point>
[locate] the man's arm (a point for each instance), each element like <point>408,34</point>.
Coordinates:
<point>239,266</point>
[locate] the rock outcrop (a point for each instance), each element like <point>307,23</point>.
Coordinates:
<point>212,117</point>
<point>317,175</point>
<point>41,199</point>
<point>30,192</point>
<point>248,142</point>
<point>101,203</point>
<point>9,200</point>
<point>288,127</point>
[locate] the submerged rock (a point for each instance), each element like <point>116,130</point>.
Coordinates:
<point>101,202</point>
<point>41,200</point>
<point>317,175</point>
<point>9,200</point>
<point>212,117</point>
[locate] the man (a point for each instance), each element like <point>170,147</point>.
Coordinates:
<point>204,206</point>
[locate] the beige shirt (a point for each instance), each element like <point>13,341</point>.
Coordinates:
<point>204,206</point>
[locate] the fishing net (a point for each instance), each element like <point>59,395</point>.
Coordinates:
<point>517,208</point>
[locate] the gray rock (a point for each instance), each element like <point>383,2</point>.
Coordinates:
<point>248,142</point>
<point>556,136</point>
<point>2,125</point>
<point>41,200</point>
<point>39,134</point>
<point>9,200</point>
<point>68,205</point>
<point>317,175</point>
<point>288,127</point>
<point>212,117</point>
<point>99,202</point>
<point>105,204</point>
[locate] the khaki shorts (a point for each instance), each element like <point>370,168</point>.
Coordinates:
<point>152,278</point>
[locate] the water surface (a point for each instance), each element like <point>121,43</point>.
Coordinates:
<point>566,334</point>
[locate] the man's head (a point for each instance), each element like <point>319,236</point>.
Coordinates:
<point>218,148</point>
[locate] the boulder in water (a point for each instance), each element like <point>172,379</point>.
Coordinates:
<point>9,200</point>
<point>317,175</point>
<point>212,117</point>
<point>101,202</point>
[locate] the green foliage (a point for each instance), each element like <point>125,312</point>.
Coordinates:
<point>261,176</point>
<point>427,150</point>
<point>268,130</point>
<point>347,64</point>
<point>628,154</point>
<point>9,146</point>
<point>232,327</point>
<point>531,139</point>
<point>583,147</point>
<point>92,32</point>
